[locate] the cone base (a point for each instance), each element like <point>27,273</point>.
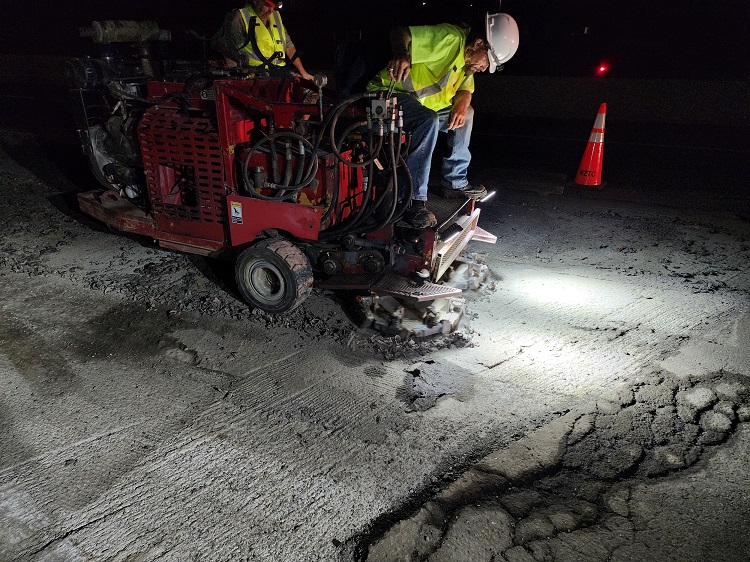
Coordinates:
<point>597,187</point>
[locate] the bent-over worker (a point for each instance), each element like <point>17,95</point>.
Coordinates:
<point>433,69</point>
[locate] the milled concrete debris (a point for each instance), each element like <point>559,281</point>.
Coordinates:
<point>479,533</point>
<point>425,383</point>
<point>565,492</point>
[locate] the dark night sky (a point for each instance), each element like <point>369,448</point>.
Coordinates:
<point>699,39</point>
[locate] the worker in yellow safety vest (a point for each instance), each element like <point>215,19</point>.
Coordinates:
<point>432,73</point>
<point>255,36</point>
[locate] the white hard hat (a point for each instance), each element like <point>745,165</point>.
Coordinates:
<point>502,39</point>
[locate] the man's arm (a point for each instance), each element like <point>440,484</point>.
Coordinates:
<point>400,63</point>
<point>230,38</point>
<point>291,50</point>
<point>461,102</point>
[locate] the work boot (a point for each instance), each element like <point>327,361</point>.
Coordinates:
<point>419,216</point>
<point>475,192</point>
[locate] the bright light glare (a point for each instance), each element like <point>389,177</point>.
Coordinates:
<point>568,293</point>
<point>452,236</point>
<point>451,232</point>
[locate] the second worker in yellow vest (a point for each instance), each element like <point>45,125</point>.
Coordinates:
<point>255,36</point>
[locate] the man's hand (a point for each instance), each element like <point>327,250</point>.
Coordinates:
<point>400,64</point>
<point>461,103</point>
<point>398,69</point>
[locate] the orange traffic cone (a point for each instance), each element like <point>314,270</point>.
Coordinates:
<point>590,170</point>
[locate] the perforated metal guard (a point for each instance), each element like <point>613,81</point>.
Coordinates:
<point>169,140</point>
<point>449,251</point>
<point>420,291</point>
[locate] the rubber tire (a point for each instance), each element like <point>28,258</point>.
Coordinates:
<point>273,275</point>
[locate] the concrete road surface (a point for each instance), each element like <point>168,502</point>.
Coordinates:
<point>592,406</point>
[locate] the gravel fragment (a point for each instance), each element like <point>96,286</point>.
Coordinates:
<point>715,421</point>
<point>698,398</point>
<point>518,554</point>
<point>477,533</point>
<point>533,528</point>
<point>617,500</point>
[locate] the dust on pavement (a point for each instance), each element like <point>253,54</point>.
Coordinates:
<point>592,406</point>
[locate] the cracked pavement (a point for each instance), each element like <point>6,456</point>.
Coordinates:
<point>593,406</point>
<point>587,485</point>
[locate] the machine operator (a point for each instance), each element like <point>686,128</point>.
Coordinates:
<point>267,46</point>
<point>433,68</point>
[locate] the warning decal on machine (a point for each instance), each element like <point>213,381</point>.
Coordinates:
<point>236,212</point>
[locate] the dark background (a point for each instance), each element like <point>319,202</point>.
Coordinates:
<point>680,141</point>
<point>691,39</point>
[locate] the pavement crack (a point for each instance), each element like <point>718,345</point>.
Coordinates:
<point>586,486</point>
<point>503,361</point>
<point>65,535</point>
<point>88,440</point>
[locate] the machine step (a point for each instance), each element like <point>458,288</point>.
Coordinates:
<point>410,289</point>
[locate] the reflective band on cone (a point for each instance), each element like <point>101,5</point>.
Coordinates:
<point>590,170</point>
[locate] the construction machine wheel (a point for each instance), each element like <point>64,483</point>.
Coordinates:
<point>273,275</point>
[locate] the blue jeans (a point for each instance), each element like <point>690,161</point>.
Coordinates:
<point>424,125</point>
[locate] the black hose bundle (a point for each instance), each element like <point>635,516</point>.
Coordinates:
<point>281,187</point>
<point>284,189</point>
<point>358,221</point>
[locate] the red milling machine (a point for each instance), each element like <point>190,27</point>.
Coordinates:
<point>233,164</point>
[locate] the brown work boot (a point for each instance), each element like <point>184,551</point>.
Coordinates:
<point>475,192</point>
<point>419,216</point>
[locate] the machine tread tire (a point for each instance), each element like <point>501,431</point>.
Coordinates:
<point>284,267</point>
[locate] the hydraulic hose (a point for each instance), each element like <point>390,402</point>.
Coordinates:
<point>274,161</point>
<point>362,214</point>
<point>339,108</point>
<point>340,143</point>
<point>336,146</point>
<point>302,162</point>
<point>396,153</point>
<point>406,197</point>
<point>287,191</point>
<point>288,163</point>
<point>407,191</point>
<point>196,78</point>
<point>392,187</point>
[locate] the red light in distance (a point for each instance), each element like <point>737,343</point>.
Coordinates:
<point>602,69</point>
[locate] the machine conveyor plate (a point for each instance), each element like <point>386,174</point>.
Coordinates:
<point>420,291</point>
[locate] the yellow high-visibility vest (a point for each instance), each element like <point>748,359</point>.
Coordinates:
<point>271,40</point>
<point>437,66</point>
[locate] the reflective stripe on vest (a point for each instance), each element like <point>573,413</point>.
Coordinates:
<point>280,27</point>
<point>430,90</point>
<point>269,42</point>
